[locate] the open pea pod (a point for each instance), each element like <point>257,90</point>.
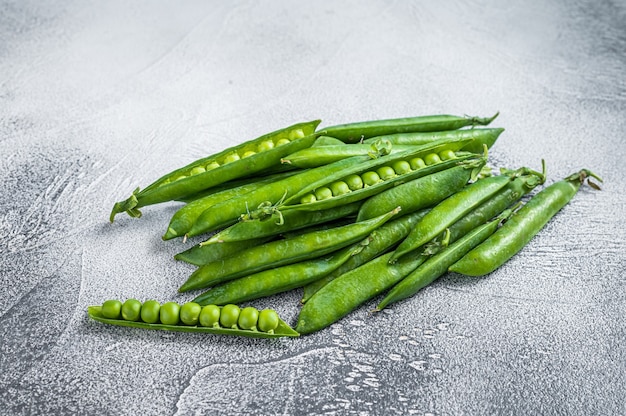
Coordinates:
<point>239,161</point>
<point>379,174</point>
<point>280,328</point>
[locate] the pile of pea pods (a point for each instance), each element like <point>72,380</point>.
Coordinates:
<point>346,214</point>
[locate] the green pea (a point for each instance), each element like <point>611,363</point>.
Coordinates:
<point>150,311</point>
<point>447,154</point>
<point>131,310</point>
<point>265,145</point>
<point>268,320</point>
<point>281,142</point>
<point>169,313</point>
<point>401,167</point>
<point>248,154</point>
<point>354,182</point>
<point>190,313</point>
<point>233,157</point>
<point>307,199</point>
<point>296,134</point>
<point>339,188</point>
<point>248,318</point>
<point>432,158</point>
<point>229,316</point>
<point>323,193</point>
<point>385,172</point>
<point>198,170</point>
<point>210,316</point>
<point>179,178</point>
<point>212,165</point>
<point>417,163</point>
<point>370,178</point>
<point>111,309</point>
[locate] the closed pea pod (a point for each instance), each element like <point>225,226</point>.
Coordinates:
<point>521,227</point>
<point>199,255</point>
<point>219,168</point>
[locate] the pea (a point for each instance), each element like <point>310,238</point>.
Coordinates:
<point>296,134</point>
<point>169,313</point>
<point>339,188</point>
<point>229,316</point>
<point>111,309</point>
<point>307,199</point>
<point>212,165</point>
<point>432,158</point>
<point>281,142</point>
<point>248,154</point>
<point>265,145</point>
<point>417,163</point>
<point>179,178</point>
<point>323,193</point>
<point>198,170</point>
<point>401,167</point>
<point>370,178</point>
<point>354,182</point>
<point>447,154</point>
<point>150,311</point>
<point>189,313</point>
<point>385,172</point>
<point>248,318</point>
<point>268,320</point>
<point>209,316</point>
<point>233,157</point>
<point>131,310</point>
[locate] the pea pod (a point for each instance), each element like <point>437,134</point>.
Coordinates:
<point>292,220</point>
<point>190,317</point>
<point>277,280</point>
<point>480,137</point>
<point>242,160</point>
<point>199,255</point>
<point>421,192</point>
<point>521,227</point>
<point>438,264</point>
<point>456,206</point>
<point>282,252</point>
<point>382,240</point>
<point>354,132</point>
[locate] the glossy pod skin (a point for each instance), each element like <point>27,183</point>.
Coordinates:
<point>190,317</point>
<point>438,264</point>
<point>291,221</point>
<point>422,192</point>
<point>480,137</point>
<point>277,280</point>
<point>383,239</point>
<point>456,206</point>
<point>199,255</point>
<point>235,162</point>
<point>281,252</point>
<point>355,132</point>
<point>521,227</point>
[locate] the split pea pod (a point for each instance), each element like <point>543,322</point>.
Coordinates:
<point>422,192</point>
<point>438,264</point>
<point>278,279</point>
<point>292,220</point>
<point>192,317</point>
<point>456,206</point>
<point>480,137</point>
<point>521,227</point>
<point>282,252</point>
<point>382,239</point>
<point>199,255</point>
<point>235,162</point>
<point>354,132</point>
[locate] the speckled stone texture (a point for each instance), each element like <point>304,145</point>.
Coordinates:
<point>97,98</point>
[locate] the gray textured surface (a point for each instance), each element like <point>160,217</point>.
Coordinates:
<point>99,97</point>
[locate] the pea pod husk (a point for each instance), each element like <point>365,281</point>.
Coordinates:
<point>199,255</point>
<point>521,227</point>
<point>180,182</point>
<point>283,329</point>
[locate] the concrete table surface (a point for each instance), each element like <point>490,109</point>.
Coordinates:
<point>97,98</point>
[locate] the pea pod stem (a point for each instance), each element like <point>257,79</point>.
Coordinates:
<point>522,226</point>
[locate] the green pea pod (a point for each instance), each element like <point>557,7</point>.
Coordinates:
<point>422,192</point>
<point>312,157</point>
<point>480,137</point>
<point>282,329</point>
<point>521,227</point>
<point>199,255</point>
<point>282,252</point>
<point>382,240</point>
<point>456,206</point>
<point>292,220</point>
<point>245,159</point>
<point>438,264</point>
<point>355,132</point>
<point>277,280</point>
